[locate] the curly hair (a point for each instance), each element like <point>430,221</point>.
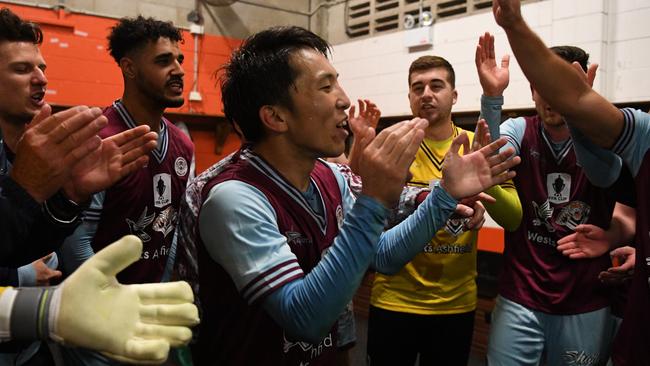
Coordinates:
<point>14,29</point>
<point>260,73</point>
<point>134,33</point>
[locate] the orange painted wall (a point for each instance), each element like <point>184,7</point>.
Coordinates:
<point>80,70</point>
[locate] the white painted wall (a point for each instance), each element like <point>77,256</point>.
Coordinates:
<point>614,32</point>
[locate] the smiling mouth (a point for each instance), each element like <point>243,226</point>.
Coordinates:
<point>176,85</point>
<point>343,124</point>
<point>37,97</point>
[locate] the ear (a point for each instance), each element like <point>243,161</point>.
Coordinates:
<point>271,117</point>
<point>128,67</point>
<point>455,97</point>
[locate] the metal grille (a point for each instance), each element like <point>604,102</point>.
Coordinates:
<point>372,17</point>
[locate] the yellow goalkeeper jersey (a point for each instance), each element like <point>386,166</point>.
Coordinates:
<point>441,279</point>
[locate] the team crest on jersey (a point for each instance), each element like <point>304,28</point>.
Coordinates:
<point>456,225</point>
<point>558,187</point>
<point>166,221</point>
<point>543,214</point>
<point>339,215</point>
<point>296,238</point>
<point>137,227</point>
<point>180,166</point>
<point>162,190</point>
<point>573,214</point>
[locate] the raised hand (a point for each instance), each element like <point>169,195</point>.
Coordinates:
<point>494,79</point>
<point>383,162</point>
<point>507,13</point>
<point>588,241</point>
<point>468,175</point>
<point>363,127</point>
<point>117,157</point>
<point>623,261</point>
<point>52,145</point>
<point>481,136</point>
<point>590,75</point>
<point>130,323</point>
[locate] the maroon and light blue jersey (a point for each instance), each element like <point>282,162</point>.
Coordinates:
<point>145,203</point>
<point>557,198</point>
<point>235,329</point>
<point>632,344</point>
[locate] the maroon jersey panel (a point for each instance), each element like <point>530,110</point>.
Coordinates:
<point>145,203</point>
<point>555,197</point>
<point>234,332</point>
<point>632,344</point>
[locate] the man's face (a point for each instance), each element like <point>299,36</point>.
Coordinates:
<point>159,74</point>
<point>22,81</point>
<point>431,96</point>
<point>317,124</point>
<point>549,117</point>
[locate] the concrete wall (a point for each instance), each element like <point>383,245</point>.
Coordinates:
<point>237,20</point>
<point>614,32</point>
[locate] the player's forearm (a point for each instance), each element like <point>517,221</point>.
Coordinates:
<point>400,244</point>
<point>622,228</point>
<point>564,88</point>
<point>308,308</point>
<point>506,211</point>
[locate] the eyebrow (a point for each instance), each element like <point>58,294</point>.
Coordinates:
<point>167,55</point>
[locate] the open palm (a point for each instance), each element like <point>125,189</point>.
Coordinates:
<point>469,174</point>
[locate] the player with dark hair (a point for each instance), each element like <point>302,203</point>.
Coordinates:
<point>623,131</point>
<point>144,204</point>
<point>282,243</point>
<point>49,164</point>
<point>548,303</point>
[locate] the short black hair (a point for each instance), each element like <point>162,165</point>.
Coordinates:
<point>572,54</point>
<point>426,63</point>
<point>260,73</point>
<point>14,29</point>
<point>134,33</point>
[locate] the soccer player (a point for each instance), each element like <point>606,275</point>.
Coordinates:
<point>547,302</point>
<point>49,164</point>
<point>282,243</point>
<point>625,132</point>
<point>146,203</point>
<point>437,288</point>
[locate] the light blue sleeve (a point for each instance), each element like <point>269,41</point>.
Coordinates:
<point>634,141</point>
<point>404,241</point>
<point>77,248</point>
<point>602,167</point>
<point>238,227</point>
<point>512,129</point>
<point>27,273</point>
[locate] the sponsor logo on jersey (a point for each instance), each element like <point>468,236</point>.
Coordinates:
<point>543,214</point>
<point>162,190</point>
<point>558,187</point>
<point>456,224</point>
<point>296,238</point>
<point>581,358</point>
<point>166,221</point>
<point>573,214</point>
<point>180,166</point>
<point>137,227</point>
<point>311,350</point>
